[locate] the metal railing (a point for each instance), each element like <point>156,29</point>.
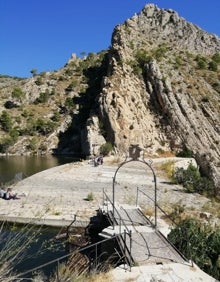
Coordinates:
<point>93,265</point>
<point>69,226</point>
<point>124,239</point>
<point>168,216</point>
<point>121,221</point>
<point>137,198</point>
<point>124,244</point>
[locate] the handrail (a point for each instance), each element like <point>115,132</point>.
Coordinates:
<point>121,219</point>
<point>175,248</point>
<point>68,227</point>
<point>144,239</point>
<point>67,255</point>
<point>138,189</point>
<point>124,248</point>
<point>160,233</point>
<point>126,232</point>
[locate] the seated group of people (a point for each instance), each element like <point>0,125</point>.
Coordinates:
<point>98,160</point>
<point>7,194</point>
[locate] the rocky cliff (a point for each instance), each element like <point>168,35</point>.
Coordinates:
<point>158,93</point>
<point>158,86</point>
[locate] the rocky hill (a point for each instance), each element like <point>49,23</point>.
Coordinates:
<point>158,86</point>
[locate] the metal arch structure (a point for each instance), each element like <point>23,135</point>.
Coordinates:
<point>135,157</point>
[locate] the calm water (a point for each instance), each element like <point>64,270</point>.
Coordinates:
<point>41,249</point>
<point>14,168</point>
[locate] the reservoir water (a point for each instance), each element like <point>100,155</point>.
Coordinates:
<point>14,168</point>
<point>26,247</point>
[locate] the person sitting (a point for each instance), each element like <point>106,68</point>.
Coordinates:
<point>2,193</point>
<point>98,161</point>
<point>9,195</point>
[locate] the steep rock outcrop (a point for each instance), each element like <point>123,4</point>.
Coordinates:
<point>154,26</point>
<point>91,137</point>
<point>163,106</point>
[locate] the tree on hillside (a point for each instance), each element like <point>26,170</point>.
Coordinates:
<point>5,121</point>
<point>17,94</point>
<point>33,72</point>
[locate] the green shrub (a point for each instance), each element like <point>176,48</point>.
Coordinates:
<point>185,153</point>
<point>143,57</point>
<point>14,133</point>
<point>5,143</point>
<point>199,243</point>
<point>213,66</point>
<point>71,86</point>
<point>5,121</point>
<point>17,93</point>
<point>56,116</point>
<point>43,97</point>
<point>193,182</point>
<point>106,148</point>
<point>42,126</point>
<point>216,58</point>
<point>90,197</point>
<point>201,62</point>
<point>68,72</point>
<point>102,127</point>
<point>160,52</point>
<point>33,143</point>
<point>216,86</point>
<point>177,63</point>
<point>39,81</point>
<point>69,105</point>
<point>25,113</point>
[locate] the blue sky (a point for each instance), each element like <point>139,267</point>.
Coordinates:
<point>42,34</point>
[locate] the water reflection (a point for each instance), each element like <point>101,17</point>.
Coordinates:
<point>13,168</point>
<point>33,246</point>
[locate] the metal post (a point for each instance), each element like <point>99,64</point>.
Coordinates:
<point>137,196</point>
<point>124,247</point>
<point>58,271</point>
<point>96,256</point>
<point>130,249</point>
<point>113,200</point>
<point>155,206</point>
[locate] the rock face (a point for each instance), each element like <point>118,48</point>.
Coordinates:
<point>170,103</point>
<point>157,86</point>
<point>154,26</point>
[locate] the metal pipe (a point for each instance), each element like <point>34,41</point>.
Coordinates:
<point>137,196</point>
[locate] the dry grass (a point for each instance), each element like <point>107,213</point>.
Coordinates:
<point>167,168</point>
<point>63,273</point>
<point>107,277</point>
<point>166,154</point>
<point>112,160</point>
<point>149,212</point>
<point>212,207</point>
